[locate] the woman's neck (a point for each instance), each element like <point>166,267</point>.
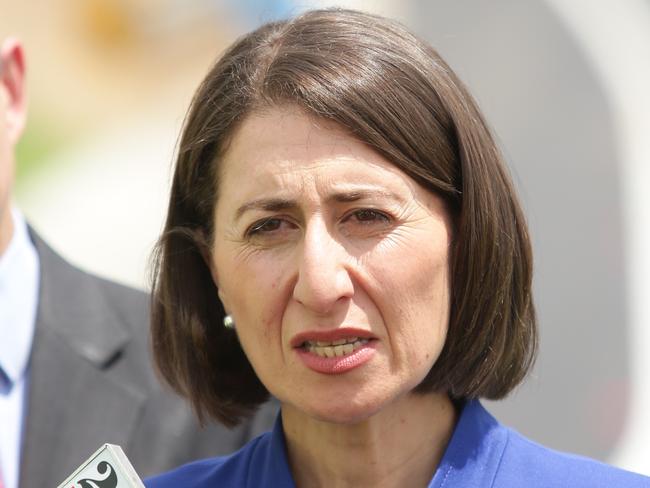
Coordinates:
<point>400,446</point>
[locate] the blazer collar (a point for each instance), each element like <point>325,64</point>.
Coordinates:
<point>473,454</point>
<point>69,306</point>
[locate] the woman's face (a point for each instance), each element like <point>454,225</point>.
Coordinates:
<point>333,263</point>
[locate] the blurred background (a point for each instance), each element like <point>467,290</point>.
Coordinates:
<point>564,84</point>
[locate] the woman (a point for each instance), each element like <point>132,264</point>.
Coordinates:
<point>343,234</point>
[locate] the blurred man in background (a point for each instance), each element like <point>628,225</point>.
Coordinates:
<point>74,360</point>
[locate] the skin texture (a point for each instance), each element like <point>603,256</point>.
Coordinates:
<point>315,232</point>
<point>12,122</point>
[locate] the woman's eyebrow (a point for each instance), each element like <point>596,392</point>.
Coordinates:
<point>346,196</point>
<point>362,194</point>
<point>267,204</point>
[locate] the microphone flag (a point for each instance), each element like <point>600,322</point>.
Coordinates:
<point>107,468</point>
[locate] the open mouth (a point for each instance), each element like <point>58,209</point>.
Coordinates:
<point>337,348</point>
<point>335,351</point>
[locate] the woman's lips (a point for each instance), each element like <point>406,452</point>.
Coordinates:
<point>334,351</point>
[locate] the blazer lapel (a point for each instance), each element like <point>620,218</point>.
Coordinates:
<point>73,404</point>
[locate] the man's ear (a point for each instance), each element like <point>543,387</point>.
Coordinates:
<point>12,84</point>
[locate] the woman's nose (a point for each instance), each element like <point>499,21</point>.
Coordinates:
<point>323,272</point>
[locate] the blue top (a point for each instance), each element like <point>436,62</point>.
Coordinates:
<point>481,453</point>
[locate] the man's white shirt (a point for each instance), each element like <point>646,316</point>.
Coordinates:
<point>19,285</point>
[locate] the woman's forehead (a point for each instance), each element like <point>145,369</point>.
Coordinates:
<point>291,129</point>
<point>285,148</point>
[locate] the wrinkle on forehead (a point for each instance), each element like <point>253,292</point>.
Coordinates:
<point>286,154</point>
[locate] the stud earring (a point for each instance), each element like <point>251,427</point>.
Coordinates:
<point>228,322</point>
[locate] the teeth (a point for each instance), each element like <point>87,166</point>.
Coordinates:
<point>336,348</point>
<point>337,342</point>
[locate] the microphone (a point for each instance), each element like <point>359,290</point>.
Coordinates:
<point>107,468</point>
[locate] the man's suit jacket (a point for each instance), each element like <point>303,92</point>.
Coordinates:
<point>91,381</point>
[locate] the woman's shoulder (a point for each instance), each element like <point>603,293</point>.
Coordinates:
<point>483,452</point>
<point>537,465</point>
<point>227,471</point>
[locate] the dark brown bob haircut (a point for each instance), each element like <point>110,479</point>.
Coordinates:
<point>392,91</point>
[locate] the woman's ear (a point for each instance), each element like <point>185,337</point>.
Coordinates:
<point>220,292</point>
<point>224,300</point>
<point>206,253</point>
<point>202,243</point>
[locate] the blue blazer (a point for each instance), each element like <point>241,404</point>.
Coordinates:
<point>481,453</point>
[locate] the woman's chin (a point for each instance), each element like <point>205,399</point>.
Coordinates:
<point>345,412</point>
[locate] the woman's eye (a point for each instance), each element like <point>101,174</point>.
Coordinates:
<point>263,226</point>
<point>368,216</point>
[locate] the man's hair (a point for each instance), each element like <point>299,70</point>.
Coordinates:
<point>392,91</point>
